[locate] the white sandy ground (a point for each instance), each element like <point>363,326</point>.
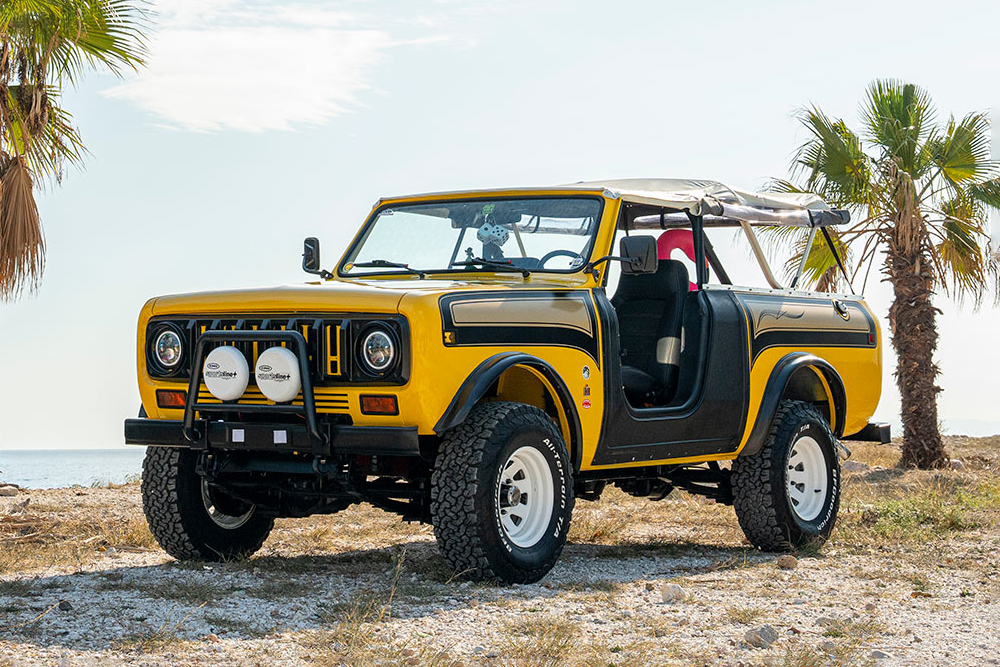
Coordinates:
<point>271,610</point>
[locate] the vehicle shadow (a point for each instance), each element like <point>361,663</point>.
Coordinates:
<point>124,608</point>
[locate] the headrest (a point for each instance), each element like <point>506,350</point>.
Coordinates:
<point>669,281</point>
<point>675,239</point>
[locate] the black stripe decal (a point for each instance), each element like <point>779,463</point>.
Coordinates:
<point>540,326</point>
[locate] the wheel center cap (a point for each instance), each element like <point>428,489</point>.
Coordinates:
<point>513,496</point>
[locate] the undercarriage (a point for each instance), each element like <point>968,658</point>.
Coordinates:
<point>297,485</point>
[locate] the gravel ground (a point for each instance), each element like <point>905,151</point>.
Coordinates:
<point>362,588</point>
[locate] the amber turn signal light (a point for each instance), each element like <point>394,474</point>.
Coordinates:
<point>171,398</point>
<point>379,405</point>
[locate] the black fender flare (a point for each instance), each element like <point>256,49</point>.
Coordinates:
<point>475,386</point>
<point>774,390</point>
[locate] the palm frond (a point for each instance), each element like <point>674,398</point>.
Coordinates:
<point>66,37</point>
<point>45,44</point>
<point>54,144</point>
<point>962,151</point>
<point>898,117</point>
<point>22,246</point>
<point>833,161</point>
<point>963,247</point>
<point>987,192</point>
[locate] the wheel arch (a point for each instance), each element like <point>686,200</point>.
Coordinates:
<point>522,378</point>
<point>804,377</point>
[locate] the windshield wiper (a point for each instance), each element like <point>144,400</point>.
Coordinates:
<point>506,266</point>
<point>384,263</point>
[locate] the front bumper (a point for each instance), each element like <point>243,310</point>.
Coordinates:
<point>309,436</point>
<point>240,436</point>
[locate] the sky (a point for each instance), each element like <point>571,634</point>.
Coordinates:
<point>260,122</point>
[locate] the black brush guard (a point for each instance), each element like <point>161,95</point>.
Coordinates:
<point>313,437</point>
<point>308,408</point>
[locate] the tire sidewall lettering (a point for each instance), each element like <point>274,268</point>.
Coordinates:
<point>821,434</point>
<point>559,524</point>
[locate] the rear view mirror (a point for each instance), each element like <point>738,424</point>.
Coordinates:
<point>506,216</point>
<point>638,254</point>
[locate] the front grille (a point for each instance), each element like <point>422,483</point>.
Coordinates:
<point>327,401</point>
<point>328,344</point>
<point>323,341</point>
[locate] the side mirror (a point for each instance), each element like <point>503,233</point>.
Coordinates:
<point>310,255</point>
<point>638,254</point>
<point>310,258</point>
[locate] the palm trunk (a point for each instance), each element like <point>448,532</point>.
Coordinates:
<point>914,338</point>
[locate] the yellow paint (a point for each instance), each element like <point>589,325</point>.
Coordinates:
<point>437,370</point>
<point>860,370</point>
<point>523,384</point>
<point>831,405</point>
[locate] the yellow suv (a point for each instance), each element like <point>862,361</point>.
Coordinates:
<point>464,365</point>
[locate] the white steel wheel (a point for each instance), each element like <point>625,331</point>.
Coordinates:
<point>807,478</point>
<point>220,518</point>
<point>525,497</point>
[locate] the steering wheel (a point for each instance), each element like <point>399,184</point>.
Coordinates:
<point>560,253</point>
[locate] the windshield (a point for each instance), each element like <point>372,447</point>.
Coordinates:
<point>525,235</point>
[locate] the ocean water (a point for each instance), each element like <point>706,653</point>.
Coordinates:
<point>52,468</point>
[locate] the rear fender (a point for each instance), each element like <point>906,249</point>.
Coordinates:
<point>799,376</point>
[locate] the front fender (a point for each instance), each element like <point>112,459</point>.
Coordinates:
<point>488,372</point>
<point>776,387</point>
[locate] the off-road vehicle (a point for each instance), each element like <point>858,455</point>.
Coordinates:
<point>464,365</point>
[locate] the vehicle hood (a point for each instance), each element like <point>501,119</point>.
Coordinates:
<point>372,296</point>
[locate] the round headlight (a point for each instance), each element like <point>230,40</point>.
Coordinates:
<point>168,348</point>
<point>378,351</point>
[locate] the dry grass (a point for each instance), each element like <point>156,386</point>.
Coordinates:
<point>186,590</point>
<point>743,615</point>
<point>156,639</point>
<point>854,629</point>
<point>913,523</point>
<point>151,641</point>
<point>223,625</point>
<point>915,507</point>
<point>32,541</point>
<point>880,507</point>
<point>541,638</point>
<point>356,528</point>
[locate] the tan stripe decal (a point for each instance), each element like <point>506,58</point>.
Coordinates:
<point>569,313</point>
<point>778,315</point>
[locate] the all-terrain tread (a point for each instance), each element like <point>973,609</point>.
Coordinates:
<point>455,484</point>
<point>753,476</point>
<point>167,512</point>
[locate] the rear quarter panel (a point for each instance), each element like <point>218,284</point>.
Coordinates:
<point>849,339</point>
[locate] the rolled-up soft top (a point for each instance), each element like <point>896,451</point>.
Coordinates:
<point>717,202</point>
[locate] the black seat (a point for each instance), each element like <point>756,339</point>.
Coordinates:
<point>649,310</point>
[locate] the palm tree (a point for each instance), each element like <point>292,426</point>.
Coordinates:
<point>921,193</point>
<point>44,45</point>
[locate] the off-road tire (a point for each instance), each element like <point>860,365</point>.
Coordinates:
<point>760,489</point>
<point>176,513</point>
<point>464,510</point>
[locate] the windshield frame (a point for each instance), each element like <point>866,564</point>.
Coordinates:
<point>362,234</point>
